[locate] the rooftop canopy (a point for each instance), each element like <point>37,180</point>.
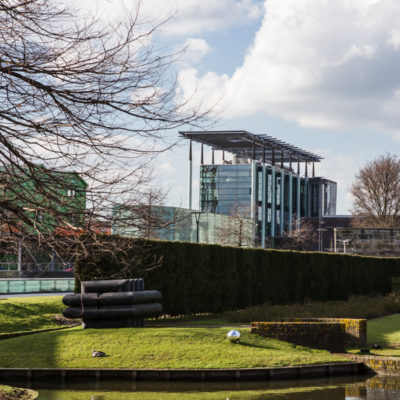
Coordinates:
<point>246,144</point>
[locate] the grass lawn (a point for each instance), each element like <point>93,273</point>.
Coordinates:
<point>23,314</point>
<point>384,330</point>
<point>153,348</point>
<point>12,393</point>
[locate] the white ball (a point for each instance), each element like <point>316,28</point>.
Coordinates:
<point>233,336</point>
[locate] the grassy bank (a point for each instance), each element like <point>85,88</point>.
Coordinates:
<point>153,348</point>
<point>385,330</point>
<point>355,307</point>
<point>13,393</point>
<point>26,314</point>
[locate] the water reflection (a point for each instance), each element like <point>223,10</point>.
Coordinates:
<point>376,388</point>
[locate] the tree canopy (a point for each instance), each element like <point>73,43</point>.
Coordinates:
<point>376,193</point>
<point>80,95</point>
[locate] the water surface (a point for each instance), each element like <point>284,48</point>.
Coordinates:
<point>375,388</point>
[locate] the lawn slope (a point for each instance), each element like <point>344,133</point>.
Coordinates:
<point>153,348</point>
<point>384,330</point>
<point>26,314</point>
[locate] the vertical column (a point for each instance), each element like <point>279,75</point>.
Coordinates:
<point>334,240</point>
<point>253,197</point>
<point>263,202</point>
<point>282,216</point>
<point>190,175</point>
<point>290,216</point>
<point>20,255</point>
<point>273,201</point>
<point>298,211</point>
<point>321,199</point>
<point>306,198</point>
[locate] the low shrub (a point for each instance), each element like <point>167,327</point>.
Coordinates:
<point>354,307</point>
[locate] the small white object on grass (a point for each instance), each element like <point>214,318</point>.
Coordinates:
<point>96,353</point>
<point>233,336</point>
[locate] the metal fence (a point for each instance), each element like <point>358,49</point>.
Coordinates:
<point>45,285</point>
<point>36,267</point>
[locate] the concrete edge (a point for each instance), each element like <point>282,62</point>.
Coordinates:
<point>379,364</point>
<point>201,375</point>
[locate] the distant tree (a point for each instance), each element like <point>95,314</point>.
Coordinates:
<point>146,217</point>
<point>239,229</point>
<point>376,193</point>
<point>303,235</point>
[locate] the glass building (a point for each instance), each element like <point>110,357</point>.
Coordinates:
<point>180,224</point>
<point>263,181</point>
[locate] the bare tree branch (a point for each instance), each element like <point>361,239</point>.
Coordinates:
<point>76,95</point>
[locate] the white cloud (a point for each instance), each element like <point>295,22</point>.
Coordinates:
<point>182,17</point>
<point>195,50</point>
<point>193,17</point>
<point>394,38</point>
<point>321,63</point>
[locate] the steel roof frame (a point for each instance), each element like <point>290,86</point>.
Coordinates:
<point>243,143</point>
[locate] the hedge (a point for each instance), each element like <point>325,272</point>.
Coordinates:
<point>200,278</point>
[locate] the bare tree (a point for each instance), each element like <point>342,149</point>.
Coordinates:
<point>238,229</point>
<point>376,193</point>
<point>146,217</point>
<point>77,95</point>
<point>302,236</point>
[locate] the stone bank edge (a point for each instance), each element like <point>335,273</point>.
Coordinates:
<point>228,374</point>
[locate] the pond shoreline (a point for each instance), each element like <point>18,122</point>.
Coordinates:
<point>200,375</point>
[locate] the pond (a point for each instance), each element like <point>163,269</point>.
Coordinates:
<point>375,388</point>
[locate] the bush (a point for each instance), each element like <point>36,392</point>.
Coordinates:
<point>198,278</point>
<point>354,307</point>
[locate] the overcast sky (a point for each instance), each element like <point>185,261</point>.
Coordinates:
<point>320,74</point>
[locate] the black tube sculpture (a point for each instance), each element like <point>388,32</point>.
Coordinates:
<point>116,303</point>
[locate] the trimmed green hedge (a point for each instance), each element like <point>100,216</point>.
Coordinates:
<point>196,278</point>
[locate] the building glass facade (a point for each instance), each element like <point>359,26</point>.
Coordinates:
<point>227,188</point>
<point>223,187</point>
<point>179,224</point>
